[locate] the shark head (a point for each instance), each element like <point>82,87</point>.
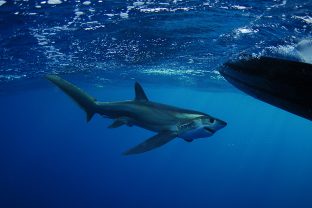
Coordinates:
<point>204,126</point>
<point>212,125</point>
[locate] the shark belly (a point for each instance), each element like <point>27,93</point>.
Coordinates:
<point>194,134</point>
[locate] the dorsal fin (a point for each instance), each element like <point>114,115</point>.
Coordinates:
<point>139,93</point>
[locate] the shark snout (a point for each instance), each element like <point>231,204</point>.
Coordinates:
<point>220,124</point>
<point>217,125</point>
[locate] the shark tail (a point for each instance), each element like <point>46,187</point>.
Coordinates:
<point>85,101</point>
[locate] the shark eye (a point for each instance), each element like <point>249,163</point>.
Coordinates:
<point>211,120</point>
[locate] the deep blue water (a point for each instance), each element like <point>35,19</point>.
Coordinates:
<point>51,157</point>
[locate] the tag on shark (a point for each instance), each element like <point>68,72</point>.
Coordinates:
<point>168,122</point>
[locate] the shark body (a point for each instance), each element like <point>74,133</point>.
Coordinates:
<point>168,122</point>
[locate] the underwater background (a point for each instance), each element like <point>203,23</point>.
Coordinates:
<point>51,157</point>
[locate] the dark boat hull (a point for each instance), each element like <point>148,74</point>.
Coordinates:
<point>282,83</point>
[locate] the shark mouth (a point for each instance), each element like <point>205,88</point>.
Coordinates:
<point>209,130</point>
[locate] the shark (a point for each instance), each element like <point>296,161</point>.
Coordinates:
<point>167,121</point>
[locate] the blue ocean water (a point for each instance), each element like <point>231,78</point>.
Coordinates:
<point>51,157</point>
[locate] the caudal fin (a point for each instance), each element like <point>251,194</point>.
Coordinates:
<point>86,102</point>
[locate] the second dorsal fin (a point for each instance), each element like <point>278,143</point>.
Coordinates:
<point>139,93</point>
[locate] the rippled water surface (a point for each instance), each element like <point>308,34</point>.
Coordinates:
<point>179,40</point>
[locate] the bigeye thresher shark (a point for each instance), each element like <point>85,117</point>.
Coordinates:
<point>168,122</point>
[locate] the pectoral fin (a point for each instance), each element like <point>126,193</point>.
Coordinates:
<point>152,143</point>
